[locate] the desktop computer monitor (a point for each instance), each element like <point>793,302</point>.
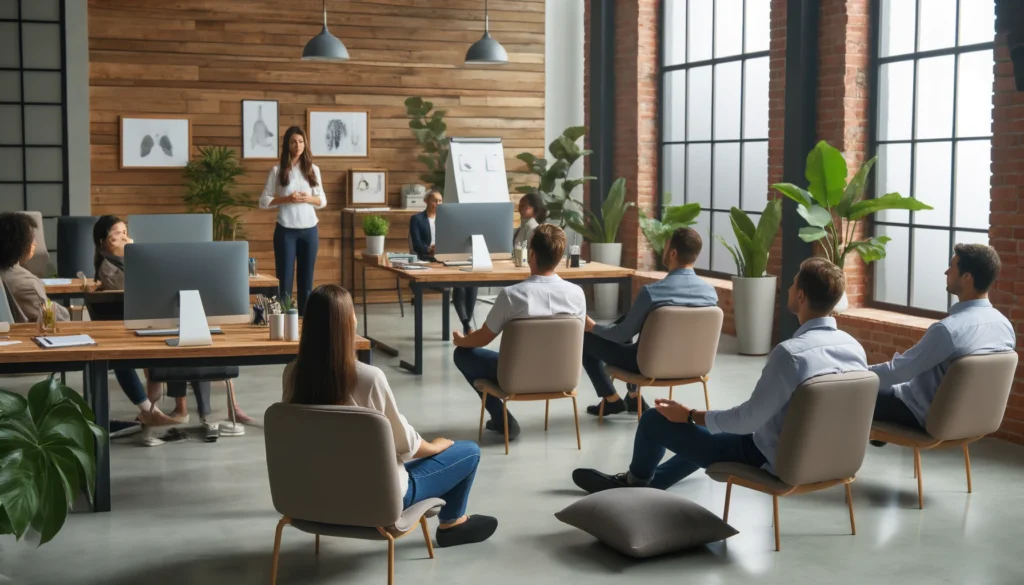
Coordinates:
<point>154,273</point>
<point>457,223</point>
<point>168,228</point>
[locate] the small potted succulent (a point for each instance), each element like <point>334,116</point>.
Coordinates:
<point>376,229</point>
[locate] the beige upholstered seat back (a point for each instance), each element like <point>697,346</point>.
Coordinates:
<point>6,314</point>
<point>679,342</point>
<point>541,355</point>
<point>332,464</point>
<point>972,398</point>
<point>826,430</point>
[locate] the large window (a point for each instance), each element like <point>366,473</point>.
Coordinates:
<point>714,113</point>
<point>33,152</point>
<point>933,137</point>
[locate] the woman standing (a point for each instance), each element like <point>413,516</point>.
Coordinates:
<point>294,187</point>
<point>532,213</point>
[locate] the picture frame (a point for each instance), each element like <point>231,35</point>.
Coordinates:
<point>260,130</point>
<point>338,132</point>
<point>367,188</point>
<point>154,142</point>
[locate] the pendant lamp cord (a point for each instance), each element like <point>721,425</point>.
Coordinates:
<point>487,20</point>
<point>325,13</point>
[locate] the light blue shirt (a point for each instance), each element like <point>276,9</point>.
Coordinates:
<point>972,327</point>
<point>817,348</point>
<point>680,288</point>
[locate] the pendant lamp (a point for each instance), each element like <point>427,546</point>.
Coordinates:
<point>486,51</point>
<point>325,46</point>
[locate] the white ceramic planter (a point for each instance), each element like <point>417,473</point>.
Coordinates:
<point>754,311</point>
<point>842,305</point>
<point>606,296</point>
<point>277,327</point>
<point>375,245</point>
<point>291,325</point>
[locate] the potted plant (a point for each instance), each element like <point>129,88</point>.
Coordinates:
<point>429,128</point>
<point>673,217</point>
<point>833,208</point>
<point>376,229</point>
<point>47,457</point>
<point>554,185</point>
<point>753,290</point>
<point>209,182</point>
<point>602,233</point>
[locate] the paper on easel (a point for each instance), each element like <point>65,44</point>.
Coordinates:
<point>193,330</point>
<point>481,257</point>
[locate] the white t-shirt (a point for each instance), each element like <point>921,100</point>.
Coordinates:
<point>433,230</point>
<point>537,296</point>
<point>293,215</point>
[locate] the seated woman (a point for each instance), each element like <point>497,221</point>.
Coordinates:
<point>532,213</point>
<point>18,244</point>
<point>110,235</point>
<point>326,373</point>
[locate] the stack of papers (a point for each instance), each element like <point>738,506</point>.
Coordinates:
<point>59,341</point>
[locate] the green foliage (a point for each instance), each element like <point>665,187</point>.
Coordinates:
<point>47,456</point>
<point>673,217</point>
<point>558,198</point>
<point>753,243</point>
<point>210,180</point>
<point>375,225</point>
<point>604,229</point>
<point>832,207</point>
<point>428,127</point>
<point>287,304</point>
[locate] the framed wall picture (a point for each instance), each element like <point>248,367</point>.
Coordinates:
<point>367,188</point>
<point>155,142</point>
<point>260,138</point>
<point>339,133</point>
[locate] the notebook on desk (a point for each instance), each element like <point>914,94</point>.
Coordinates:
<point>62,341</point>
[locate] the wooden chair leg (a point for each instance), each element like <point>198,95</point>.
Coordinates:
<point>504,413</point>
<point>849,502</point>
<point>967,462</point>
<point>600,411</point>
<point>426,536</point>
<point>728,498</point>
<point>317,549</point>
<point>483,404</point>
<point>547,409</point>
<point>277,548</point>
<point>670,389</point>
<point>707,403</point>
<point>639,402</point>
<point>775,517</point>
<point>391,559</point>
<point>920,487</point>
<point>576,417</point>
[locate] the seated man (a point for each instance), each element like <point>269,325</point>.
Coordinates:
<point>543,294</point>
<point>748,433</point>
<point>908,383</point>
<point>613,344</point>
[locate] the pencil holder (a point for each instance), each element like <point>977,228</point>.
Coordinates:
<point>291,325</point>
<point>277,327</point>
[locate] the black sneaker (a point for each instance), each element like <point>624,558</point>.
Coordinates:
<point>593,481</point>
<point>513,427</point>
<point>477,528</point>
<point>609,407</point>
<point>631,404</point>
<point>875,443</point>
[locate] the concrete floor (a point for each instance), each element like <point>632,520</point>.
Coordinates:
<point>201,513</point>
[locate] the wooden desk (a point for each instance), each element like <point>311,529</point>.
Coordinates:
<point>504,273</point>
<point>259,284</point>
<point>117,347</point>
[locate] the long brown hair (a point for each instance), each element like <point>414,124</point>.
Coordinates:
<point>305,159</point>
<point>325,369</point>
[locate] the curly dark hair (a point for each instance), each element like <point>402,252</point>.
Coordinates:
<point>17,232</point>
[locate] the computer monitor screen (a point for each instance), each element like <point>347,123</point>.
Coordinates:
<point>169,228</point>
<point>154,273</point>
<point>457,223</point>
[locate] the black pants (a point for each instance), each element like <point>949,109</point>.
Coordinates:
<point>889,408</point>
<point>597,352</point>
<point>464,300</point>
<point>291,243</point>
<point>200,389</point>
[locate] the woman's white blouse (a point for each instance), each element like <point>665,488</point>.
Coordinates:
<point>294,215</point>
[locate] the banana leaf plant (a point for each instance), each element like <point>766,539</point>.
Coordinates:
<point>558,197</point>
<point>603,229</point>
<point>659,231</point>
<point>47,457</point>
<point>753,243</point>
<point>833,208</point>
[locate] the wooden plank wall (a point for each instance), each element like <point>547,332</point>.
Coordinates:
<point>200,58</point>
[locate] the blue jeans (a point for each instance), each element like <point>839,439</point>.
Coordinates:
<point>597,352</point>
<point>448,475</point>
<point>289,243</point>
<point>481,364</point>
<point>889,408</point>
<point>694,447</point>
<point>130,385</point>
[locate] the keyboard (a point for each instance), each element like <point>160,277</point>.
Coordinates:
<point>169,332</point>
<point>453,264</point>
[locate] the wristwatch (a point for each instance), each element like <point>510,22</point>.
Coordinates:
<point>689,418</point>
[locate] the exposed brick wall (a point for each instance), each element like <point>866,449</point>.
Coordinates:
<point>1006,233</point>
<point>776,116</point>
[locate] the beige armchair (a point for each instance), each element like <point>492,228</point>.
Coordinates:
<point>968,405</point>
<point>677,347</point>
<point>539,359</point>
<point>822,444</point>
<point>350,490</point>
